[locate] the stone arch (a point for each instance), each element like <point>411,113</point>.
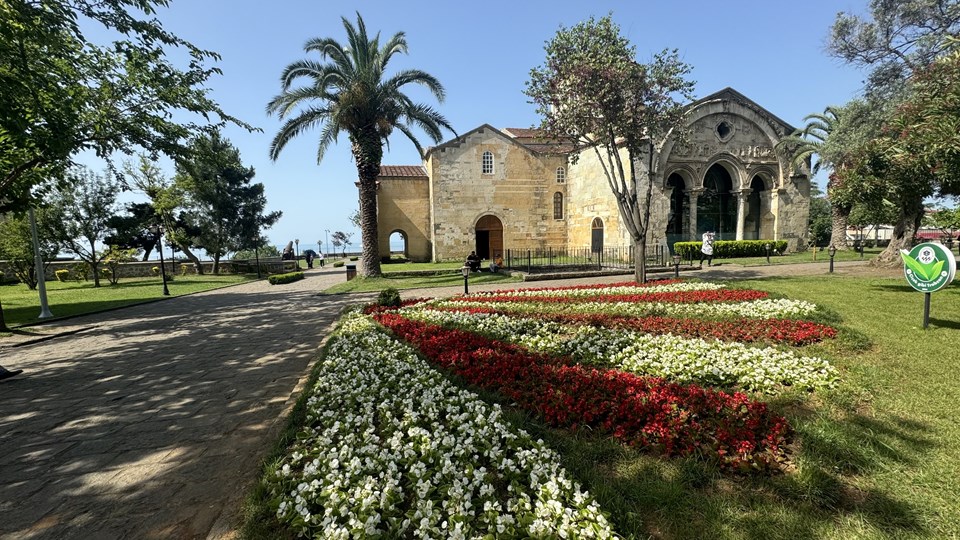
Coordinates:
<point>717,203</point>
<point>731,164</point>
<point>596,235</point>
<point>489,236</point>
<point>405,242</point>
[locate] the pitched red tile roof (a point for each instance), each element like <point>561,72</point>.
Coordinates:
<point>403,170</point>
<point>523,132</point>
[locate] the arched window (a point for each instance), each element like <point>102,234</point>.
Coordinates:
<point>487,162</point>
<point>558,205</point>
<point>561,175</point>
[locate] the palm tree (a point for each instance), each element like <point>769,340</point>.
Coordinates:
<point>812,145</point>
<point>348,91</point>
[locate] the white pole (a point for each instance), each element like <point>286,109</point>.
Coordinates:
<point>41,275</point>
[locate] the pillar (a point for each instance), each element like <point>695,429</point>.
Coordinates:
<point>743,199</point>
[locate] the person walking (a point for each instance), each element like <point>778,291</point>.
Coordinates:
<point>320,258</point>
<point>706,248</point>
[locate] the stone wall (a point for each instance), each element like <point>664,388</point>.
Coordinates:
<point>519,193</point>
<point>403,205</point>
<point>145,268</point>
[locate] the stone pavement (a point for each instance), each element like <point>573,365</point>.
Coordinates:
<point>151,421</point>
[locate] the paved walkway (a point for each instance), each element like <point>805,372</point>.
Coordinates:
<point>151,421</point>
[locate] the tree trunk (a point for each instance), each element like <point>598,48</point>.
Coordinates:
<point>216,263</point>
<point>368,152</point>
<point>910,215</point>
<point>3,320</point>
<point>640,260</point>
<point>93,264</point>
<point>838,234</point>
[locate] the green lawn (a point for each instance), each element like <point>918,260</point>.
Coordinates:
<point>21,305</point>
<point>877,458</point>
<point>361,284</point>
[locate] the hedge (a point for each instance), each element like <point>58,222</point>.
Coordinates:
<point>338,264</point>
<point>730,249</point>
<point>280,279</point>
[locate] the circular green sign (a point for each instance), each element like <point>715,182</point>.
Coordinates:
<point>929,266</point>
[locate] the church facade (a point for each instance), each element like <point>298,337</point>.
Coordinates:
<point>490,190</point>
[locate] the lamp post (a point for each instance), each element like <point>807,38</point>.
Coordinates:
<point>466,274</point>
<point>41,275</point>
<point>256,254</point>
<point>832,250</point>
<point>157,232</point>
<point>767,247</point>
<point>676,266</point>
<point>326,244</point>
<point>296,242</point>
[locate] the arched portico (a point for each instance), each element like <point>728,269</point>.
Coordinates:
<point>489,231</point>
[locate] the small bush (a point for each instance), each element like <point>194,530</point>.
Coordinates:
<point>389,297</point>
<point>62,275</point>
<point>81,271</point>
<point>155,270</point>
<point>280,279</point>
<point>354,258</point>
<point>184,268</point>
<point>338,264</point>
<point>730,249</point>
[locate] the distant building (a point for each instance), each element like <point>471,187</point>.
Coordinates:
<point>490,190</point>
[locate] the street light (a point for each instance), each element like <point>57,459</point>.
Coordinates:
<point>326,244</point>
<point>676,265</point>
<point>832,250</point>
<point>767,247</point>
<point>157,232</point>
<point>41,275</point>
<point>466,274</point>
<point>256,254</point>
<point>297,243</point>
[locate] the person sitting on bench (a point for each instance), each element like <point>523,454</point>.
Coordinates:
<point>473,261</point>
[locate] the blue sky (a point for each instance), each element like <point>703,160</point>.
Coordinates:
<point>771,51</point>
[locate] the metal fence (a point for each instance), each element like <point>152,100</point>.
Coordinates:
<point>558,260</point>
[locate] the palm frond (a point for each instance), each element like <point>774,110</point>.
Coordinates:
<point>295,126</point>
<point>416,76</point>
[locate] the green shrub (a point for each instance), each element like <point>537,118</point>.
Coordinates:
<point>155,270</point>
<point>81,271</point>
<point>338,264</point>
<point>280,279</point>
<point>389,297</point>
<point>730,249</point>
<point>62,275</point>
<point>354,258</point>
<point>184,268</point>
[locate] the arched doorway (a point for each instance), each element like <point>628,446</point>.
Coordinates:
<point>752,221</point>
<point>489,232</point>
<point>398,244</point>
<point>716,207</point>
<point>679,213</point>
<point>596,235</point>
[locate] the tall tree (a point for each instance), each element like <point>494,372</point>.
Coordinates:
<point>592,91</point>
<point>79,216</point>
<point>132,229</point>
<point>352,93</point>
<point>168,203</point>
<point>16,245</point>
<point>62,94</point>
<point>895,40</point>
<point>918,155</point>
<point>833,141</point>
<point>226,208</point>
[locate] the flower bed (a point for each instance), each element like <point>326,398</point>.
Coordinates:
<point>672,419</point>
<point>392,449</point>
<point>676,358</point>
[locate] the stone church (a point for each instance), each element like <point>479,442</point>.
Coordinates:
<point>490,190</point>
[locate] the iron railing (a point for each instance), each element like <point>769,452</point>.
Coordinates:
<point>557,260</point>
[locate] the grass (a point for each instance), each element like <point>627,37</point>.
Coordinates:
<point>21,305</point>
<point>362,284</point>
<point>876,458</point>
